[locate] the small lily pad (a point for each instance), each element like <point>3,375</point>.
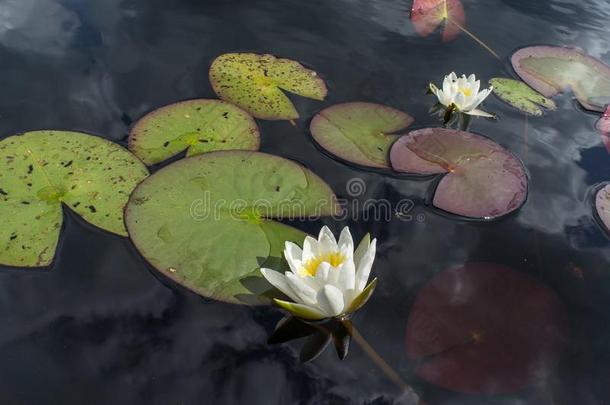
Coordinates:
<point>209,222</point>
<point>40,171</point>
<point>428,15</point>
<point>521,96</point>
<point>255,82</point>
<point>602,206</point>
<point>360,133</point>
<point>197,126</point>
<point>484,329</point>
<point>482,180</point>
<point>551,70</point>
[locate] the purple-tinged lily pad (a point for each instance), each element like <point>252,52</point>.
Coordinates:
<point>484,329</point>
<point>482,180</point>
<point>197,126</point>
<point>602,206</point>
<point>552,69</point>
<point>360,133</point>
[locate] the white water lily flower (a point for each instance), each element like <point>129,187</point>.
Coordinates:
<point>327,278</point>
<point>462,94</point>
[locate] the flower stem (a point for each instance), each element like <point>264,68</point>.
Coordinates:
<point>475,38</point>
<point>389,372</point>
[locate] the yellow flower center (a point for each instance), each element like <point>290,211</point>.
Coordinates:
<point>310,267</point>
<point>466,91</point>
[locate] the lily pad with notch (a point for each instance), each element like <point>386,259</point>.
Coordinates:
<point>211,221</point>
<point>197,126</point>
<point>521,96</point>
<point>42,170</point>
<point>602,206</point>
<point>360,133</point>
<point>428,15</point>
<point>481,179</point>
<point>256,83</point>
<point>551,70</point>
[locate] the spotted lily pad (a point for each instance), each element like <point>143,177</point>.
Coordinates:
<point>256,82</point>
<point>428,15</point>
<point>521,96</point>
<point>551,70</point>
<point>209,222</point>
<point>40,171</point>
<point>197,126</point>
<point>602,206</point>
<point>482,180</point>
<point>360,133</point>
<point>484,329</point>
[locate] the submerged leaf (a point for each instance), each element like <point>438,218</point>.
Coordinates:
<point>314,346</point>
<point>521,96</point>
<point>482,179</point>
<point>602,206</point>
<point>255,82</point>
<point>197,126</point>
<point>290,328</point>
<point>359,132</point>
<point>428,15</point>
<point>207,222</point>
<point>551,70</point>
<point>484,329</point>
<point>40,171</point>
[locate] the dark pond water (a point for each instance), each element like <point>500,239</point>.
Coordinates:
<point>101,327</point>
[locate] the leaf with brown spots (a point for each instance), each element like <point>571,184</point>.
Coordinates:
<point>256,82</point>
<point>40,171</point>
<point>197,126</point>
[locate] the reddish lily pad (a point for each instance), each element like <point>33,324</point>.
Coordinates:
<point>256,82</point>
<point>484,329</point>
<point>197,126</point>
<point>428,15</point>
<point>602,206</point>
<point>603,126</point>
<point>360,133</point>
<point>482,180</point>
<point>552,70</point>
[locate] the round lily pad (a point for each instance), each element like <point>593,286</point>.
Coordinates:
<point>482,180</point>
<point>484,329</point>
<point>602,206</point>
<point>197,126</point>
<point>552,69</point>
<point>428,15</point>
<point>40,170</point>
<point>360,133</point>
<point>521,96</point>
<point>209,222</point>
<point>256,82</point>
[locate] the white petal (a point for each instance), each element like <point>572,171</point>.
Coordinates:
<point>447,84</point>
<point>310,249</point>
<point>306,294</point>
<point>347,276</point>
<point>293,254</point>
<point>364,267</point>
<point>479,113</point>
<point>476,87</point>
<point>472,78</point>
<point>460,101</point>
<point>279,281</point>
<point>345,239</point>
<point>330,300</point>
<point>363,246</point>
<point>322,273</point>
<point>325,231</point>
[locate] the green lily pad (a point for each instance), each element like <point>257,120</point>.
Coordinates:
<point>553,69</point>
<point>40,170</point>
<point>197,126</point>
<point>208,222</point>
<point>360,133</point>
<point>255,82</point>
<point>521,96</point>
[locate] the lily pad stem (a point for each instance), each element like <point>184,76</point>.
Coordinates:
<point>474,37</point>
<point>376,358</point>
